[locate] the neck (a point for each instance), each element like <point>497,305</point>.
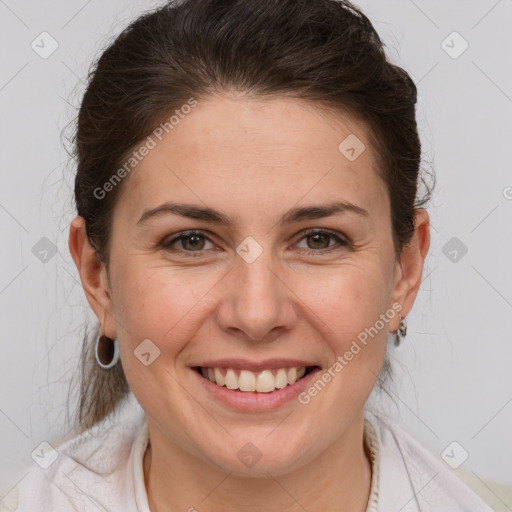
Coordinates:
<point>339,478</point>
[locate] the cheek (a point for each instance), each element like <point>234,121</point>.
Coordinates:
<point>349,296</point>
<point>160,304</point>
<point>350,309</point>
<point>165,307</point>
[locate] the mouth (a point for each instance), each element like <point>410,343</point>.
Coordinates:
<point>246,381</point>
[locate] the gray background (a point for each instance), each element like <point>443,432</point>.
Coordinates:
<point>453,370</point>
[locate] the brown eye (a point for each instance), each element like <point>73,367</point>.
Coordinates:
<point>319,241</point>
<point>192,242</point>
<point>189,242</point>
<point>322,241</point>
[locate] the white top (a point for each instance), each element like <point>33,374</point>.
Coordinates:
<point>101,469</point>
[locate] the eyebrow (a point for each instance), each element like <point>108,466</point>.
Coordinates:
<point>207,214</point>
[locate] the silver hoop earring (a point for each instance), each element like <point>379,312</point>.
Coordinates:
<point>106,351</point>
<point>402,328</point>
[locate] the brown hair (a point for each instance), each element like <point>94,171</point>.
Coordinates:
<point>323,51</point>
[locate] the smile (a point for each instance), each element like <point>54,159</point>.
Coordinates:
<point>265,381</point>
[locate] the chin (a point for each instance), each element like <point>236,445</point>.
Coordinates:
<point>248,460</point>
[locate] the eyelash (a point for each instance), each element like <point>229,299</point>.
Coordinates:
<point>191,254</point>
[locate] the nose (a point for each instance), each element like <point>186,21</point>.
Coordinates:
<point>256,302</point>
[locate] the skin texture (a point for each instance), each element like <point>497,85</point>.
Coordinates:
<point>252,159</point>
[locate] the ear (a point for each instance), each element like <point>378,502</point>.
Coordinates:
<point>93,275</point>
<point>410,268</point>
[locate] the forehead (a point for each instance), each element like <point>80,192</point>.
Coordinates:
<point>257,153</point>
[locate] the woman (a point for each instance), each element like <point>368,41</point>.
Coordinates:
<point>248,235</point>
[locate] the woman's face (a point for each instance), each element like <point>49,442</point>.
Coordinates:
<point>256,292</point>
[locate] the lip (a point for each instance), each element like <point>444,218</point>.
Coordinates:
<point>252,401</point>
<point>253,366</point>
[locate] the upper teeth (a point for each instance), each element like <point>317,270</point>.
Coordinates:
<point>264,381</point>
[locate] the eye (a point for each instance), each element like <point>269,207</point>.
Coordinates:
<point>320,241</point>
<point>190,241</point>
